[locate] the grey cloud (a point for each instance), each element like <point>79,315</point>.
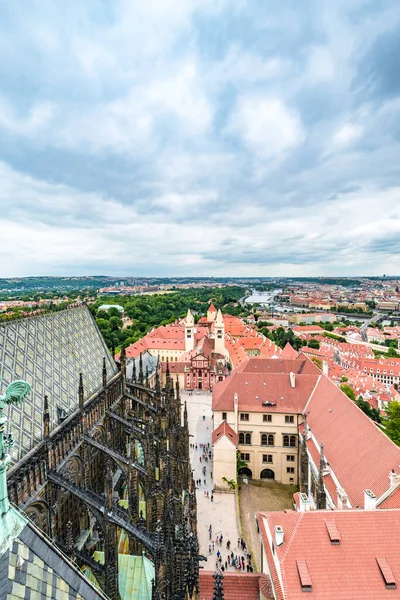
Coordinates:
<point>378,74</point>
<point>189,175</point>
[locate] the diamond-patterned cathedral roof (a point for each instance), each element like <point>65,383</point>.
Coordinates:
<point>49,351</point>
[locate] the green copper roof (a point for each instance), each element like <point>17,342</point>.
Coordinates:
<point>135,574</point>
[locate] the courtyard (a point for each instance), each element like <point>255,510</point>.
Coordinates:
<point>222,512</point>
<point>260,496</point>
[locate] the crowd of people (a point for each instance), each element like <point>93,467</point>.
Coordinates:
<point>228,557</point>
<point>240,561</point>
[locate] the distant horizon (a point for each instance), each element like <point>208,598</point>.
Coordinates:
<point>200,277</point>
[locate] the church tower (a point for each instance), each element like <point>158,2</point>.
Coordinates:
<point>219,334</point>
<point>211,313</point>
<point>189,332</point>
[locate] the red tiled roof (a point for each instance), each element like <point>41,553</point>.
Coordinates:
<point>212,308</point>
<point>303,328</point>
<point>237,586</point>
<point>174,367</point>
<point>289,351</point>
<point>359,453</point>
<point>225,429</point>
<point>260,364</point>
<point>255,389</point>
<point>392,501</point>
<point>347,570</point>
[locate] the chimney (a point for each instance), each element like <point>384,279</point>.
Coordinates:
<point>279,535</point>
<point>369,500</point>
<point>394,479</point>
<point>304,503</point>
<point>325,368</point>
<point>292,379</point>
<point>341,499</point>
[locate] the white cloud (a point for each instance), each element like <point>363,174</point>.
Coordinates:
<point>38,117</point>
<point>266,127</point>
<point>347,134</point>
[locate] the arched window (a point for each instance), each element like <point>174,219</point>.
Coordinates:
<point>271,440</point>
<point>248,438</point>
<point>264,439</point>
<point>286,441</point>
<point>241,438</point>
<point>292,441</point>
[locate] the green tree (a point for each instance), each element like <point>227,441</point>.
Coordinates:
<point>313,344</point>
<point>114,312</point>
<point>392,421</point>
<point>371,412</point>
<point>115,323</point>
<point>240,464</point>
<point>346,389</point>
<point>392,352</point>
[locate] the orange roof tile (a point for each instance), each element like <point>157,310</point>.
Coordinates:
<point>359,453</point>
<point>237,586</point>
<point>225,429</point>
<point>349,569</point>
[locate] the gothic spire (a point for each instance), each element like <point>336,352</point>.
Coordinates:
<point>46,418</point>
<point>320,491</point>
<point>81,391</point>
<point>158,384</point>
<point>134,370</point>
<point>109,485</point>
<point>104,372</point>
<point>140,368</point>
<point>218,586</point>
<point>69,542</point>
<point>122,360</point>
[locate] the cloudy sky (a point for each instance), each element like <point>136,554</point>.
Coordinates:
<point>200,137</point>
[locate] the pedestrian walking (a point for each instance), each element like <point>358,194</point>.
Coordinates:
<point>212,497</point>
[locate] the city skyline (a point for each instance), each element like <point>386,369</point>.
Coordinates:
<point>200,138</point>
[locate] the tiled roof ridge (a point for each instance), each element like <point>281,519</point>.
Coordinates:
<point>289,543</point>
<point>81,307</point>
<point>313,392</point>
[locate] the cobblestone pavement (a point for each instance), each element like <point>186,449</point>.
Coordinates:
<point>259,496</point>
<point>221,512</point>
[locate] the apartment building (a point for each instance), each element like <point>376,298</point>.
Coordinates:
<point>258,410</point>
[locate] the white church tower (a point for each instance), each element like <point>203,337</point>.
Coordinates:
<point>219,333</point>
<point>189,331</point>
